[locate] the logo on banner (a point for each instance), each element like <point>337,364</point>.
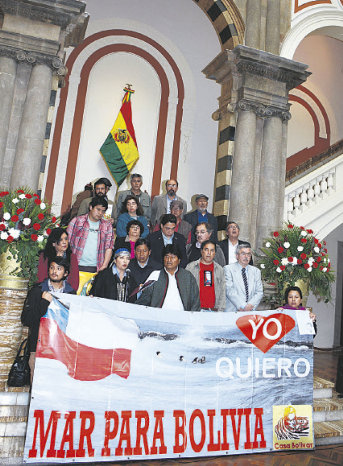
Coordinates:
<point>292,427</point>
<point>265,331</point>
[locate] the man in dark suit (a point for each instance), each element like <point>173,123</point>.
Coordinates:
<point>230,244</point>
<point>201,215</point>
<point>167,235</point>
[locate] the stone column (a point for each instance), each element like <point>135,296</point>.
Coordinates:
<point>273,27</point>
<point>260,83</point>
<point>270,206</point>
<point>32,129</point>
<point>242,187</point>
<point>8,68</point>
<point>253,23</point>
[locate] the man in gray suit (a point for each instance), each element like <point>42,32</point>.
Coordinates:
<point>161,204</point>
<point>244,289</point>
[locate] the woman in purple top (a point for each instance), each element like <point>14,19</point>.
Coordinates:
<point>293,300</point>
<point>58,245</point>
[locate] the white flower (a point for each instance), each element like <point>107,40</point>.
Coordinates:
<point>309,269</point>
<point>300,248</point>
<point>284,261</point>
<point>40,238</point>
<point>26,221</point>
<point>267,244</point>
<point>286,245</point>
<point>14,232</point>
<point>42,205</point>
<point>15,200</point>
<point>303,233</point>
<point>21,196</point>
<point>310,260</point>
<point>278,270</point>
<point>325,259</point>
<point>316,249</point>
<point>3,235</point>
<point>262,266</point>
<point>324,269</point>
<point>295,261</point>
<point>7,216</point>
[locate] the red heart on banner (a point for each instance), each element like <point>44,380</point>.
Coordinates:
<point>265,331</point>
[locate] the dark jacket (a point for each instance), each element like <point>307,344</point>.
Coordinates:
<point>105,286</point>
<point>157,245</point>
<point>155,294</point>
<point>225,248</point>
<point>192,218</point>
<point>141,274</point>
<point>35,307</point>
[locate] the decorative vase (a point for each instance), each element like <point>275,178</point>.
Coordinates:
<point>13,291</point>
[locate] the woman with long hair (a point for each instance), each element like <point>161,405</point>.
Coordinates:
<point>57,245</point>
<point>293,300</point>
<point>131,210</point>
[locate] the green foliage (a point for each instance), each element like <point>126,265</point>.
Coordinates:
<point>294,253</point>
<point>25,224</point>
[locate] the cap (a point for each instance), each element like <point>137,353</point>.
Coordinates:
<point>199,196</point>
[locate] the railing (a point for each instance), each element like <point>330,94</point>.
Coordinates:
<point>313,188</point>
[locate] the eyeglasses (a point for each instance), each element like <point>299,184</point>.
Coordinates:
<point>248,254</point>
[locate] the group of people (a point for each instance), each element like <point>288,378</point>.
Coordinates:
<point>162,256</point>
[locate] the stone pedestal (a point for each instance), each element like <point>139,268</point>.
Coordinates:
<point>258,84</point>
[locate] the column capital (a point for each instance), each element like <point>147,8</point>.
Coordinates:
<point>263,111</point>
<point>256,79</point>
<point>34,58</point>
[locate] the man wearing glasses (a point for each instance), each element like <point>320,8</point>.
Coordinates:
<point>244,289</point>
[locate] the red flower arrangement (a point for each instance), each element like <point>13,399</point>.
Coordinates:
<point>294,253</point>
<point>25,224</point>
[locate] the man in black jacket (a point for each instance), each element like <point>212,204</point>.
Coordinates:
<point>167,235</point>
<point>175,289</point>
<point>230,244</point>
<point>143,264</point>
<point>38,299</point>
<point>202,215</point>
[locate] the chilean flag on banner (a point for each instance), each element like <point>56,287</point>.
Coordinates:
<point>83,362</point>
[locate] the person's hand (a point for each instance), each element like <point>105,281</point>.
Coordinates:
<point>312,316</point>
<point>46,295</point>
<point>248,307</point>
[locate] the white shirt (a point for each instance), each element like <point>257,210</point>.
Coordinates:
<point>172,300</point>
<point>232,252</point>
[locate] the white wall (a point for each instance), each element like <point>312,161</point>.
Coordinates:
<point>187,34</point>
<point>326,312</point>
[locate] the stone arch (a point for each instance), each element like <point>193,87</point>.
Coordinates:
<point>226,20</point>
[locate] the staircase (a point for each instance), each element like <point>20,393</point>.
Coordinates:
<point>14,404</point>
<point>327,413</point>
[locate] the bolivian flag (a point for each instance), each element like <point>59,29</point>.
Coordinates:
<point>119,151</point>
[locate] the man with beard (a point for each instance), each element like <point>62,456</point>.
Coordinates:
<point>38,299</point>
<point>201,215</point>
<point>101,188</point>
<point>161,204</point>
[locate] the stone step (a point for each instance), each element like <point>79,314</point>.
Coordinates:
<point>328,409</point>
<point>322,388</point>
<point>11,450</point>
<point>328,433</point>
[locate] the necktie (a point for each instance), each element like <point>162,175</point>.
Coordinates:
<point>245,280</point>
